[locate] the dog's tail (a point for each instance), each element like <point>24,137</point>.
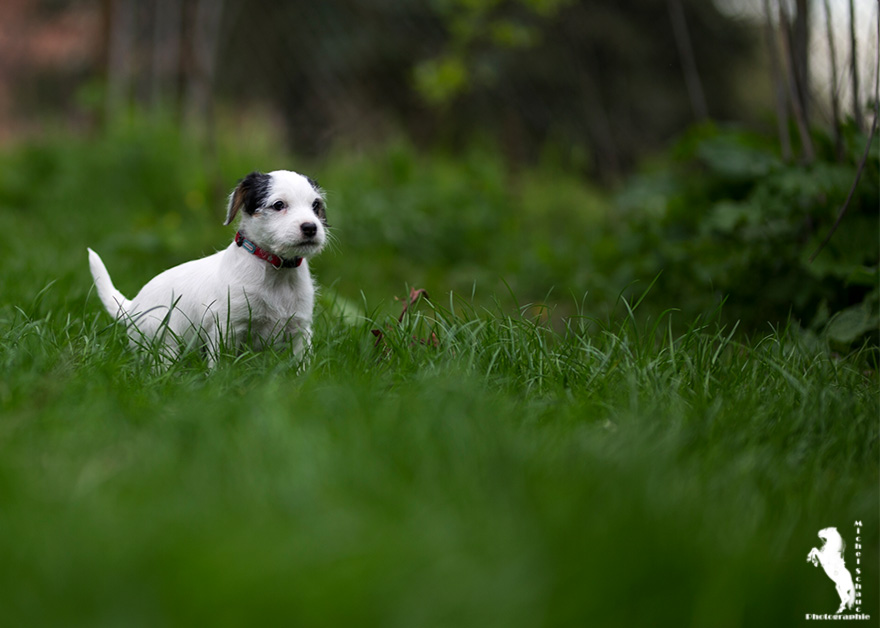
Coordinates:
<point>116,304</point>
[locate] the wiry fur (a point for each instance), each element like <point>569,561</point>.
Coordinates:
<point>232,297</point>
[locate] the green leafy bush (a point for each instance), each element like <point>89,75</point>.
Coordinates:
<point>727,218</point>
<point>719,217</point>
<point>448,222</point>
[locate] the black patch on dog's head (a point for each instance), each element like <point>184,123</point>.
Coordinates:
<point>319,206</point>
<point>256,186</point>
<point>250,195</point>
<point>320,209</point>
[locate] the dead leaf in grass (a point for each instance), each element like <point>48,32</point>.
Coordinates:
<point>414,295</point>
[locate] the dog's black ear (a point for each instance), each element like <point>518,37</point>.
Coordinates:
<point>320,209</point>
<point>320,205</point>
<point>249,194</point>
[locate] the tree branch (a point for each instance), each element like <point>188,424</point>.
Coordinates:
<point>864,159</point>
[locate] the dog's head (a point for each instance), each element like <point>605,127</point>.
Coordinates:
<point>283,212</point>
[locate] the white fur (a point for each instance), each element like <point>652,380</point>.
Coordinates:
<point>232,298</point>
<point>830,556</point>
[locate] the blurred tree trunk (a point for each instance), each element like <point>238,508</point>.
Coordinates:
<point>835,99</point>
<point>167,25</point>
<point>688,61</point>
<point>776,75</point>
<point>205,34</point>
<point>606,157</point>
<point>854,67</point>
<point>104,53</point>
<point>120,54</point>
<point>797,104</point>
<point>800,47</point>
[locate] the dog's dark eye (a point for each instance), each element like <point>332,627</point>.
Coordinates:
<point>278,205</point>
<point>318,205</point>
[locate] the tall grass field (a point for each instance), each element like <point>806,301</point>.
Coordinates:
<point>488,460</point>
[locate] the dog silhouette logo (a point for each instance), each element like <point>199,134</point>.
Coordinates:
<point>830,556</point>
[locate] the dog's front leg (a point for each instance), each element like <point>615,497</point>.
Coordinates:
<point>214,336</point>
<point>297,335</point>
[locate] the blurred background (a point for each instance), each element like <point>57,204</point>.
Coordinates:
<point>546,156</point>
<point>567,152</point>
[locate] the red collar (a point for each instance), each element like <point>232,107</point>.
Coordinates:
<point>276,261</point>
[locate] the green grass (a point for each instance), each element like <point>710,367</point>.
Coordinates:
<point>526,469</point>
<point>509,476</point>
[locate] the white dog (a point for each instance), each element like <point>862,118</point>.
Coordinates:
<point>830,556</point>
<point>255,292</point>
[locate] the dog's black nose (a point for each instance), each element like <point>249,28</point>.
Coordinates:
<point>309,229</point>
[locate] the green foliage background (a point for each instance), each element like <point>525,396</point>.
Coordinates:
<point>727,217</point>
<point>560,457</point>
<point>719,217</point>
<point>630,400</point>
